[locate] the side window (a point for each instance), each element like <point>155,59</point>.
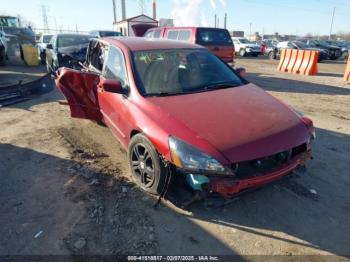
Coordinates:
<point>173,34</point>
<point>149,34</point>
<point>184,35</point>
<point>157,33</point>
<point>114,67</point>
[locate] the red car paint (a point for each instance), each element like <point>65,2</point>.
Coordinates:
<point>231,125</point>
<point>225,51</point>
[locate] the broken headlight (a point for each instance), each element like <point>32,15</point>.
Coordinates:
<point>192,159</point>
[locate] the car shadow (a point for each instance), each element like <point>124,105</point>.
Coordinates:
<point>271,83</point>
<point>307,210</point>
<point>24,96</point>
<point>52,195</point>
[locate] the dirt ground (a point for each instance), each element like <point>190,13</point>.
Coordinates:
<point>65,186</point>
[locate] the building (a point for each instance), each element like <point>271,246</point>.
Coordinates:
<point>134,26</point>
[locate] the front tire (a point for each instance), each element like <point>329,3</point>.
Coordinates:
<point>147,168</point>
<point>242,52</point>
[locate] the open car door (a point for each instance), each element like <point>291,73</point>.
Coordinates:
<point>80,90</point>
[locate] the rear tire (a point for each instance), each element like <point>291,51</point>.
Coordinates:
<point>147,168</point>
<point>2,58</point>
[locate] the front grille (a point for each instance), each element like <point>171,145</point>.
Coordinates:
<point>265,165</point>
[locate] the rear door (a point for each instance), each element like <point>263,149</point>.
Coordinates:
<point>217,41</point>
<point>80,90</point>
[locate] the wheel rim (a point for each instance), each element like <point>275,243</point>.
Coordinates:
<point>143,165</point>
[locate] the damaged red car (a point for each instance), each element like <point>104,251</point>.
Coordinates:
<point>179,109</point>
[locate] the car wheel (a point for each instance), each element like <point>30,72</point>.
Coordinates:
<point>272,55</point>
<point>147,168</point>
<point>48,68</point>
<point>242,52</point>
<point>42,58</point>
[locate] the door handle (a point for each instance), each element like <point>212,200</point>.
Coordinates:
<point>216,49</point>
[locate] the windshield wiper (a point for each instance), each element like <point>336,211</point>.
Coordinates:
<point>164,94</point>
<point>220,85</point>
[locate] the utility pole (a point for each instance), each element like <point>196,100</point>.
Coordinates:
<point>123,10</point>
<point>225,21</point>
<point>215,21</point>
<point>332,22</point>
<point>250,30</point>
<point>114,12</point>
<point>45,19</point>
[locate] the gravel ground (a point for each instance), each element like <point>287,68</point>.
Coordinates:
<point>65,185</point>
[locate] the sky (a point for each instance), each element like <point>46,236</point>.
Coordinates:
<point>264,16</point>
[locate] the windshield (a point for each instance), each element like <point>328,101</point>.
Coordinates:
<point>47,39</point>
<point>213,37</point>
<point>109,33</point>
<point>9,21</point>
<point>73,40</point>
<point>181,71</point>
<point>244,41</point>
<point>299,44</point>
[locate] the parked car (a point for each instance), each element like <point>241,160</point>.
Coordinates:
<point>345,48</point>
<point>178,109</point>
<point>334,52</point>
<point>216,40</point>
<point>271,50</point>
<point>3,48</point>
<point>244,47</point>
<point>322,53</point>
<point>104,33</point>
<point>66,50</point>
<point>42,43</point>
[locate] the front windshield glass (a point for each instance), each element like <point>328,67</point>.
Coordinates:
<point>9,21</point>
<point>181,71</point>
<point>47,39</point>
<point>73,40</point>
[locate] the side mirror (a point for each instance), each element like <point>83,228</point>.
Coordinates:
<point>49,46</point>
<point>112,86</point>
<point>241,71</point>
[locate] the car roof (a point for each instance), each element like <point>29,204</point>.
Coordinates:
<point>140,43</point>
<point>65,34</point>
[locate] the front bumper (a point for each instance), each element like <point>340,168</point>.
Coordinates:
<point>229,187</point>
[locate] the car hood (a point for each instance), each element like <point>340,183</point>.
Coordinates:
<point>242,123</point>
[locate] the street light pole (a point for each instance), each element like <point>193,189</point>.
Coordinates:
<point>330,32</point>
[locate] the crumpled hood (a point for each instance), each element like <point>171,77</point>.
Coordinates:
<point>243,123</point>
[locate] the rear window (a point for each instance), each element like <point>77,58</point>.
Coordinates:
<point>181,35</point>
<point>109,33</point>
<point>213,37</point>
<point>173,34</point>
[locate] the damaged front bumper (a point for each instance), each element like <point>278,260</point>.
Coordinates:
<point>228,187</point>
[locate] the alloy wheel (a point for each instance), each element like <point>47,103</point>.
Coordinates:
<point>143,165</point>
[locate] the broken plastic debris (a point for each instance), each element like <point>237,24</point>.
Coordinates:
<point>38,234</point>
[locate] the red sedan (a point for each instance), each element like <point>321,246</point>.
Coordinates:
<point>179,109</point>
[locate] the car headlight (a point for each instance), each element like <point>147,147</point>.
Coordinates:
<point>249,49</point>
<point>192,159</point>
